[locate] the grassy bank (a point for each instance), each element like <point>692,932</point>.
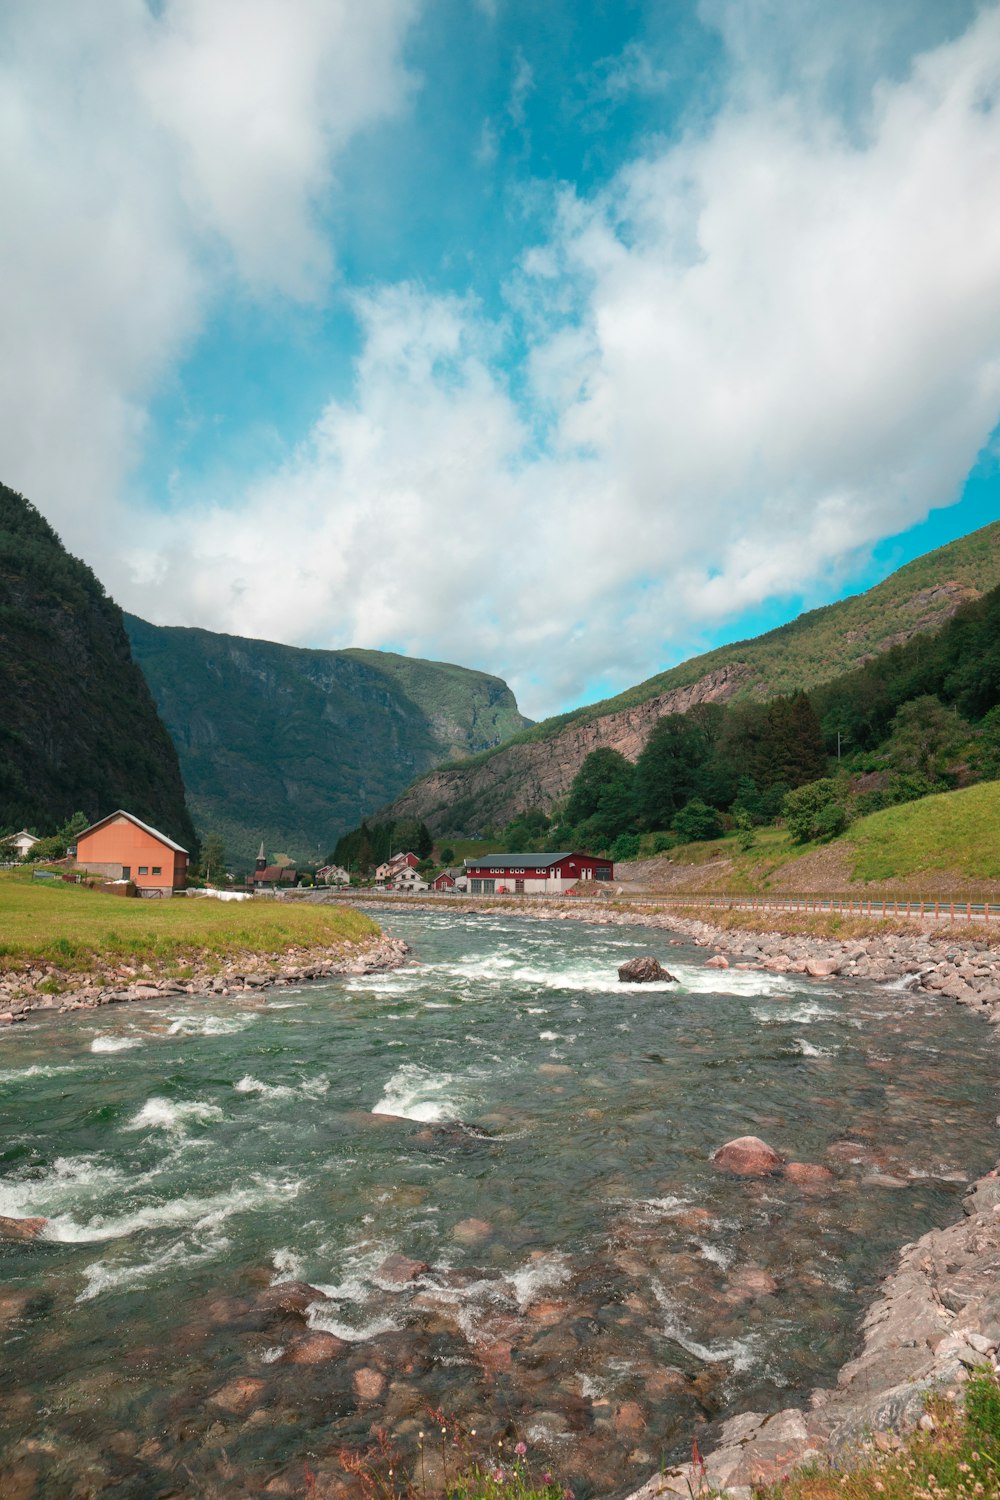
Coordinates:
<point>75,928</point>
<point>958,1458</point>
<point>956,831</point>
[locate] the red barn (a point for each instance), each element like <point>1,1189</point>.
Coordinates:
<point>534,874</point>
<point>120,847</point>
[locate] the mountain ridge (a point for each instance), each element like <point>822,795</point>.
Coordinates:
<point>79,730</point>
<point>535,768</point>
<point>292,744</point>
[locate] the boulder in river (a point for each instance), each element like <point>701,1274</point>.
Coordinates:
<point>747,1156</point>
<point>398,1269</point>
<point>21,1229</point>
<point>644,970</point>
<point>718,961</point>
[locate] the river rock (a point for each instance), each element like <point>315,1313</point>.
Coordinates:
<point>822,968</point>
<point>471,1231</point>
<point>238,1395</point>
<point>368,1384</point>
<point>747,1156</point>
<point>644,970</point>
<point>718,961</point>
<point>809,1176</point>
<point>314,1349</point>
<point>397,1270</point>
<point>21,1229</point>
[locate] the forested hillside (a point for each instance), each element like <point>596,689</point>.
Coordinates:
<point>295,746</point>
<point>535,769</point>
<point>79,731</point>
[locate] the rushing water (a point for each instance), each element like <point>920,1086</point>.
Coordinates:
<point>596,1286</point>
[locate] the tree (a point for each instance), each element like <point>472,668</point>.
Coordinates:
<point>601,800</point>
<point>816,811</point>
<point>924,734</point>
<point>667,771</point>
<point>625,847</point>
<point>447,855</point>
<point>746,834</point>
<point>696,822</point>
<point>213,857</point>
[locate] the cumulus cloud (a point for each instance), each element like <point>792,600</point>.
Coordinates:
<point>765,345</point>
<point>148,156</point>
<point>761,349</point>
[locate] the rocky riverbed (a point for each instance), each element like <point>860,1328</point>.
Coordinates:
<point>937,1319</point>
<point>48,987</point>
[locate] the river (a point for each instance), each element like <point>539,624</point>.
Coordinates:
<point>597,1288</point>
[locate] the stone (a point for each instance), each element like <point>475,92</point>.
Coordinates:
<point>718,961</point>
<point>291,1298</point>
<point>747,1156</point>
<point>809,1176</point>
<point>314,1349</point>
<point>368,1384</point>
<point>644,970</point>
<point>471,1231</point>
<point>398,1270</point>
<point>822,968</point>
<point>237,1395</point>
<point>884,1180</point>
<point>21,1229</point>
<point>750,1282</point>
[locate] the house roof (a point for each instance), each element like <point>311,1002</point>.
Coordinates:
<point>275,872</point>
<point>146,828</point>
<point>517,861</point>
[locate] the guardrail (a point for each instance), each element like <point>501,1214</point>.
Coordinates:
<point>979,909</point>
<point>862,906</point>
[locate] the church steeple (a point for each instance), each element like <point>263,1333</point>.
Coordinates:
<point>261,858</point>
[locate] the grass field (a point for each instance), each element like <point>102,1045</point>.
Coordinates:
<point>73,927</point>
<point>956,831</point>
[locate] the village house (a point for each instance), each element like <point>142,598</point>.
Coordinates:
<point>332,875</point>
<point>391,867</point>
<point>24,842</point>
<point>453,879</point>
<point>407,879</point>
<point>122,847</point>
<point>534,874</point>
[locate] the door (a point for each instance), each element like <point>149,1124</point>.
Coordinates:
<point>126,872</point>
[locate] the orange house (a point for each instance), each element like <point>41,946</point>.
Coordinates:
<point>120,847</point>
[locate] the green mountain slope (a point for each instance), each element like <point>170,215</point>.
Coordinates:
<point>79,731</point>
<point>293,746</point>
<point>536,767</point>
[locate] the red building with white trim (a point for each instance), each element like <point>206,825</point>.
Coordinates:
<point>534,874</point>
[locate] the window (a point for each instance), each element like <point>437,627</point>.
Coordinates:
<point>157,870</point>
<point>477,887</point>
<point>143,869</point>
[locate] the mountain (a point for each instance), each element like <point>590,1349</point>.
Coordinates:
<point>79,731</point>
<point>294,746</point>
<point>536,767</point>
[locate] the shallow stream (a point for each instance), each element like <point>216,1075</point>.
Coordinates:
<point>596,1287</point>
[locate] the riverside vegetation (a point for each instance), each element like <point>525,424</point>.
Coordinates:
<point>64,946</point>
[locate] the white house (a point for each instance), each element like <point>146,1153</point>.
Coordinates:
<point>24,842</point>
<point>407,879</point>
<point>333,875</point>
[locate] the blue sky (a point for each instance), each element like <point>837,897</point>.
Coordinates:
<point>559,340</point>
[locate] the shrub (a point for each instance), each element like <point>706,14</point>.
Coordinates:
<point>815,811</point>
<point>696,822</point>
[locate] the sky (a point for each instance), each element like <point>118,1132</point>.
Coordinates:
<point>558,338</point>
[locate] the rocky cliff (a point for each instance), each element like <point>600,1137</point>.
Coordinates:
<point>539,773</point>
<point>537,768</point>
<point>79,731</point>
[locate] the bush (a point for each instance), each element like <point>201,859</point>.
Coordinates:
<point>625,846</point>
<point>662,842</point>
<point>697,822</point>
<point>816,811</point>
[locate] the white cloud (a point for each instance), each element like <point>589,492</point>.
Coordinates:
<point>141,156</point>
<point>763,347</point>
<point>784,346</point>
